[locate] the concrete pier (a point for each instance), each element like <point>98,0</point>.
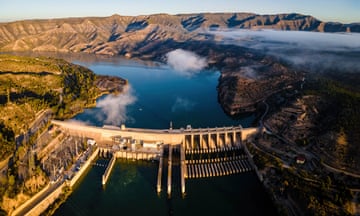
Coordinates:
<point>236,167</point>
<point>197,171</point>
<point>207,170</point>
<point>240,166</point>
<point>183,173</point>
<point>232,167</point>
<point>158,187</point>
<point>243,166</point>
<point>169,171</point>
<point>188,171</point>
<point>107,172</point>
<point>237,163</point>
<point>193,170</point>
<point>213,170</point>
<point>220,169</point>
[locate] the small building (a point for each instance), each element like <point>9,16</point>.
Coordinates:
<point>300,159</point>
<point>91,142</point>
<point>133,145</point>
<point>151,144</point>
<point>122,143</point>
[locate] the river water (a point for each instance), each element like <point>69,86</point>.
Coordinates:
<point>158,95</point>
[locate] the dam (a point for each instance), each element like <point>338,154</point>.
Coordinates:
<point>192,139</point>
<point>203,152</point>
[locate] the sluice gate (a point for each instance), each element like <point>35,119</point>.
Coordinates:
<point>204,163</point>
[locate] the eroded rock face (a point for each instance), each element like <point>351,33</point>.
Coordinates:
<point>110,84</point>
<point>136,35</point>
<point>241,89</point>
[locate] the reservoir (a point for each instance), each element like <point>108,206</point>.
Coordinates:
<point>156,96</point>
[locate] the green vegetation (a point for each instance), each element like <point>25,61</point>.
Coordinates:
<point>344,102</point>
<point>31,90</point>
<point>30,85</point>
<point>6,140</point>
<point>78,90</point>
<point>310,188</point>
<point>340,114</point>
<point>315,193</point>
<point>322,197</point>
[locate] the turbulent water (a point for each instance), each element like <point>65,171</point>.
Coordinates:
<point>158,95</point>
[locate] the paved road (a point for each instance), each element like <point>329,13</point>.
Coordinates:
<point>333,169</point>
<point>308,154</point>
<point>40,198</point>
<point>43,116</point>
<point>265,113</point>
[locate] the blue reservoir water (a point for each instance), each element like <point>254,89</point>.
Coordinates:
<point>163,95</point>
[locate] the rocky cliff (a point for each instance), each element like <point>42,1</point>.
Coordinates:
<point>140,34</point>
<point>248,76</point>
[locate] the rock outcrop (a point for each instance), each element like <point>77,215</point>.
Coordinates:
<point>241,89</point>
<point>248,77</point>
<point>131,36</point>
<point>110,84</point>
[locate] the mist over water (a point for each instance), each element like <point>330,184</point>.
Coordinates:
<point>182,104</point>
<point>185,62</point>
<point>272,39</point>
<point>313,51</point>
<point>114,107</point>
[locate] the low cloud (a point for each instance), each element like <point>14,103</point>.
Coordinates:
<point>272,39</point>
<point>185,62</point>
<point>312,51</point>
<point>182,104</point>
<point>114,107</point>
<point>249,72</point>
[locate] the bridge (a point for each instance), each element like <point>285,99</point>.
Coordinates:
<point>203,152</point>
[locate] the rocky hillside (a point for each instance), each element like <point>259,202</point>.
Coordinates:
<point>28,86</point>
<point>133,36</point>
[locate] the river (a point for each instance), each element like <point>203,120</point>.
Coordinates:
<point>158,95</point>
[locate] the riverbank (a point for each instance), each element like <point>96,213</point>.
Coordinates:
<point>105,85</point>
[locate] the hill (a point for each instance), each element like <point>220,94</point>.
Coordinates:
<point>29,86</point>
<point>132,36</point>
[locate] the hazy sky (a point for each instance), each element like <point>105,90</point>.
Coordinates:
<point>327,10</point>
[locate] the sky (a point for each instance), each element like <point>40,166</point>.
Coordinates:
<point>345,11</point>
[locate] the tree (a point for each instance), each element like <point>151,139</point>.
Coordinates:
<point>8,92</point>
<point>328,182</point>
<point>11,180</point>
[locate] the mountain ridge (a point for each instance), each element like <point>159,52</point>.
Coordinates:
<point>124,35</point>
